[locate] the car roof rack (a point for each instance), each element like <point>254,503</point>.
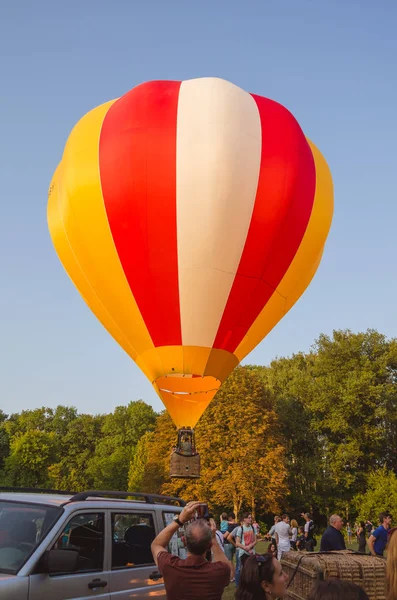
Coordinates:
<point>148,498</point>
<point>27,490</point>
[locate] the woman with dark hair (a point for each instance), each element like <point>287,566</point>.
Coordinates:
<point>272,549</point>
<point>362,542</point>
<point>338,589</point>
<point>262,578</point>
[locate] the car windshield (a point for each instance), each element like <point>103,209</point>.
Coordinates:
<point>22,528</point>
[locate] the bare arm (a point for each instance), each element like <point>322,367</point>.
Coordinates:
<point>217,551</point>
<point>371,541</point>
<point>161,541</point>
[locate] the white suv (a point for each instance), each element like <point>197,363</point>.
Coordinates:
<point>96,544</point>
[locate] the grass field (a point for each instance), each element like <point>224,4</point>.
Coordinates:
<point>262,547</point>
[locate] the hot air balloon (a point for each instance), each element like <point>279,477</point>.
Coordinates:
<point>191,216</point>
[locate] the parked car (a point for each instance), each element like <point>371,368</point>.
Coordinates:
<point>95,544</point>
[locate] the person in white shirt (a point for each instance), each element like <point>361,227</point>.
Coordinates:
<point>282,533</point>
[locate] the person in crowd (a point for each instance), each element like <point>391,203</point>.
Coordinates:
<point>262,579</point>
<point>270,534</point>
<point>349,533</point>
<point>193,578</point>
<point>256,527</point>
<point>229,543</point>
<point>337,589</point>
<point>332,537</point>
<point>391,564</point>
<point>272,549</point>
<point>378,539</point>
<point>309,532</point>
<point>362,542</point>
<point>369,527</point>
<point>301,540</point>
<point>282,533</point>
<point>224,522</point>
<point>294,533</point>
<point>245,542</point>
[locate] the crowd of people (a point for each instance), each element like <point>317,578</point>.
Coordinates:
<point>209,566</point>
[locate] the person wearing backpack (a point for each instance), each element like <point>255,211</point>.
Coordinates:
<point>245,542</point>
<point>311,542</point>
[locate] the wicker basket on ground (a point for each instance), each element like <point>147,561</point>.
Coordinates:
<point>304,569</point>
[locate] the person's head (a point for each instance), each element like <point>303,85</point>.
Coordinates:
<point>301,529</point>
<point>362,524</point>
<point>262,573</point>
<point>246,518</point>
<point>271,547</point>
<point>224,517</point>
<point>232,516</point>
<point>198,536</point>
<point>385,519</point>
<point>391,570</point>
<point>306,516</point>
<point>337,589</point>
<point>336,521</point>
<point>294,523</point>
<point>285,518</point>
<point>277,519</point>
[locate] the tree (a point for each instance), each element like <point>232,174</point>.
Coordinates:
<point>4,440</point>
<point>31,454</point>
<point>115,449</point>
<point>343,396</point>
<point>71,470</point>
<point>381,495</point>
<point>139,463</point>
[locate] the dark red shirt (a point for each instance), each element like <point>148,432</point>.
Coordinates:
<point>193,578</point>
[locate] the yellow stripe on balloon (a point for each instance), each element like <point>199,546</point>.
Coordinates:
<point>305,263</point>
<point>170,369</point>
<point>81,224</point>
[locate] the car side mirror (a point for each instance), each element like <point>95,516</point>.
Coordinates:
<point>61,561</point>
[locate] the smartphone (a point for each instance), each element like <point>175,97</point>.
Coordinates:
<point>202,512</point>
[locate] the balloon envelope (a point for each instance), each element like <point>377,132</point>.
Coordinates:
<point>191,216</point>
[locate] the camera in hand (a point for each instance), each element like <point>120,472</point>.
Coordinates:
<point>202,512</point>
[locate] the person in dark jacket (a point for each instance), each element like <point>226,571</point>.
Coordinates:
<point>333,538</point>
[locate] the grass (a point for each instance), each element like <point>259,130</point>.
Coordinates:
<point>260,548</point>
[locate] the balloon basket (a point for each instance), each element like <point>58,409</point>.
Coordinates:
<point>185,460</point>
<point>185,466</point>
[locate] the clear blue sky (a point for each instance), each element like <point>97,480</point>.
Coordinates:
<point>333,64</point>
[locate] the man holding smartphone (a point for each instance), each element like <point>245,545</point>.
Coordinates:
<point>192,578</point>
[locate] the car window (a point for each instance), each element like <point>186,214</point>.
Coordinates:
<point>84,533</point>
<point>22,527</point>
<point>132,536</point>
<point>177,542</point>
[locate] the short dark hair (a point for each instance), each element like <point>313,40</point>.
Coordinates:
<point>232,516</point>
<point>245,515</point>
<point>338,589</point>
<point>383,516</point>
<point>284,517</point>
<point>198,536</point>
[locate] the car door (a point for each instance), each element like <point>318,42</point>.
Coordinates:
<point>85,532</point>
<point>133,571</point>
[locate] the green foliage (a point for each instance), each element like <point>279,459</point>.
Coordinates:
<point>31,454</point>
<point>380,495</point>
<point>115,448</point>
<point>138,464</point>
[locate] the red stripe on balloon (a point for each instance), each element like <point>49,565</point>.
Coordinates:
<point>137,160</point>
<point>282,210</point>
